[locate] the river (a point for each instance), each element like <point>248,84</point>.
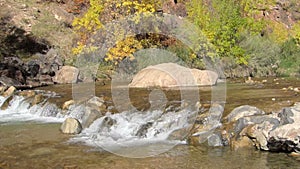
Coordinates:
<point>33,144</point>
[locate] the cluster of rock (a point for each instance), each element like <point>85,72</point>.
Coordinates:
<point>247,126</point>
<point>82,115</point>
<point>44,70</point>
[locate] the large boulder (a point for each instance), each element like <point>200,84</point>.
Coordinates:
<point>71,126</point>
<point>286,137</point>
<point>172,75</point>
<point>67,74</point>
<point>273,132</point>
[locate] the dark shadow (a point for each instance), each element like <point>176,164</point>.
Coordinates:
<point>15,41</point>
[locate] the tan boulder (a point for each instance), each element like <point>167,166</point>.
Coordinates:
<point>67,104</point>
<point>9,91</point>
<point>67,74</point>
<point>172,75</point>
<point>71,126</point>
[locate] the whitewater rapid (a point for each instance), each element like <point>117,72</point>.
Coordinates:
<point>119,133</point>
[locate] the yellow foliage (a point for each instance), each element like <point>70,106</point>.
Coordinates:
<point>123,49</point>
<point>279,32</point>
<point>296,32</point>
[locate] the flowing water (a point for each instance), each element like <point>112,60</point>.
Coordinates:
<point>30,136</point>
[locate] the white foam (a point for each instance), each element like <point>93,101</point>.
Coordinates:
<point>19,110</point>
<point>123,134</point>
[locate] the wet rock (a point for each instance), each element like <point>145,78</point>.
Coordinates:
<point>106,124</point>
<point>215,114</point>
<point>67,74</point>
<point>37,99</point>
<point>172,75</point>
<point>242,142</point>
<point>27,93</point>
<point>206,123</point>
<point>71,126</point>
<point>214,140</point>
<point>142,131</point>
<point>5,104</point>
<point>49,110</point>
<point>96,103</point>
<point>77,112</point>
<point>90,116</point>
<point>10,91</point>
<point>67,104</point>
<point>243,111</point>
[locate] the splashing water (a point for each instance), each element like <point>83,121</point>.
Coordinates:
<point>138,134</point>
<point>20,110</point>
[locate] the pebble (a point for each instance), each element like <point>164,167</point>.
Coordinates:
<point>296,89</point>
<point>273,99</point>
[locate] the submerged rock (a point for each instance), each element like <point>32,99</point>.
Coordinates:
<point>71,126</point>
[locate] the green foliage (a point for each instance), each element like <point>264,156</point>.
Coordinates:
<point>222,23</point>
<point>290,58</point>
<point>263,54</point>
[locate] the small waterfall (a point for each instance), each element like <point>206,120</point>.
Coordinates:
<point>20,109</point>
<point>139,131</point>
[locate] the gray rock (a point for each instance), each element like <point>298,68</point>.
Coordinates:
<point>49,110</point>
<point>90,116</point>
<point>241,123</point>
<point>6,81</point>
<point>71,126</point>
<point>286,116</point>
<point>214,140</point>
<point>286,137</point>
<point>243,111</point>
